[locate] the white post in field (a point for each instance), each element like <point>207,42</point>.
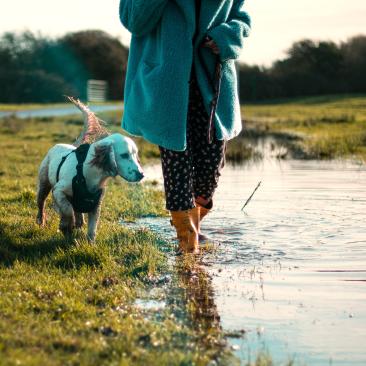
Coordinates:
<point>97,90</point>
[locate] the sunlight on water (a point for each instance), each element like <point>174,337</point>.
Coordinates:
<point>290,271</point>
<point>56,111</point>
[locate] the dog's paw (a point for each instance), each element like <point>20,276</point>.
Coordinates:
<point>79,221</point>
<point>91,240</point>
<point>41,220</point>
<point>66,229</point>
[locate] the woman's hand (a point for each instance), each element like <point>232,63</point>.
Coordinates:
<point>210,43</point>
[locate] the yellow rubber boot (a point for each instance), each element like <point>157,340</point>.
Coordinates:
<point>185,223</point>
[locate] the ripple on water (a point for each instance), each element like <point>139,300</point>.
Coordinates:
<point>294,263</point>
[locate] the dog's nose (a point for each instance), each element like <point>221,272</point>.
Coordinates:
<point>139,176</point>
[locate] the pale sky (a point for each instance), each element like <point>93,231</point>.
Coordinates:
<point>276,23</point>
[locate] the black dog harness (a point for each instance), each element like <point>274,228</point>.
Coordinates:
<point>82,200</point>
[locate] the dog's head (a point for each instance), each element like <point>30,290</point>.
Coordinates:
<point>117,155</point>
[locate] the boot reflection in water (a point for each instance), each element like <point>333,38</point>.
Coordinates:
<point>198,293</point>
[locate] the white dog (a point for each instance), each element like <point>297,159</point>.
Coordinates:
<point>78,186</point>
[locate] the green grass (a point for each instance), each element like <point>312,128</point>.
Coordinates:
<point>71,302</point>
<point>30,106</point>
<point>324,127</point>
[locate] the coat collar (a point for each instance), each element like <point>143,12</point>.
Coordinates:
<point>209,10</point>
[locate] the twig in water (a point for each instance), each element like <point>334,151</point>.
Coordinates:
<point>251,196</point>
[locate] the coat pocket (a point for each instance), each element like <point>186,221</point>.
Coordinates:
<point>147,85</point>
<point>143,69</point>
<point>149,65</point>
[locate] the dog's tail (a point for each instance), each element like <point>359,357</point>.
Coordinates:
<point>93,126</point>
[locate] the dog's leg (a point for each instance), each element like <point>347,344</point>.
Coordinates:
<point>67,222</point>
<point>79,220</point>
<point>93,218</point>
<point>44,188</point>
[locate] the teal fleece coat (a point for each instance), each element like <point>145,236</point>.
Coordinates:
<point>159,65</point>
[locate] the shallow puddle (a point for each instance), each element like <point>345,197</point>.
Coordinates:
<point>153,305</point>
<point>56,111</point>
<point>288,275</point>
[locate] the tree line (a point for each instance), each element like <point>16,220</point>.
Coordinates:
<point>309,68</point>
<point>35,68</point>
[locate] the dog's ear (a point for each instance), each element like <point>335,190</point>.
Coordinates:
<point>104,158</point>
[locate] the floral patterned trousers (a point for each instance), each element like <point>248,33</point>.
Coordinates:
<point>195,171</point>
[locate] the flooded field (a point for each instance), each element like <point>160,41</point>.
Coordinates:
<point>287,275</point>
<point>56,111</point>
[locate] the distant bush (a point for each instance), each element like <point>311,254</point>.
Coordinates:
<point>34,68</point>
<point>34,86</point>
<point>310,68</point>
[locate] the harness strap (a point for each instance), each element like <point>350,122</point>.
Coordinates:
<point>81,152</point>
<point>60,165</point>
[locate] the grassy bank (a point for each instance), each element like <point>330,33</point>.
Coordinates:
<point>315,127</point>
<point>73,303</point>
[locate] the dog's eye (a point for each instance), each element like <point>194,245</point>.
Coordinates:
<point>125,156</point>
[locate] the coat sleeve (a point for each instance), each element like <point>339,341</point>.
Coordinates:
<point>229,36</point>
<point>141,16</point>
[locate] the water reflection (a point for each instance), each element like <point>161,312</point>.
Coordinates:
<point>55,111</point>
<point>291,270</point>
<point>197,293</point>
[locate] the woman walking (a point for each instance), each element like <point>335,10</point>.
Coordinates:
<point>181,94</point>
